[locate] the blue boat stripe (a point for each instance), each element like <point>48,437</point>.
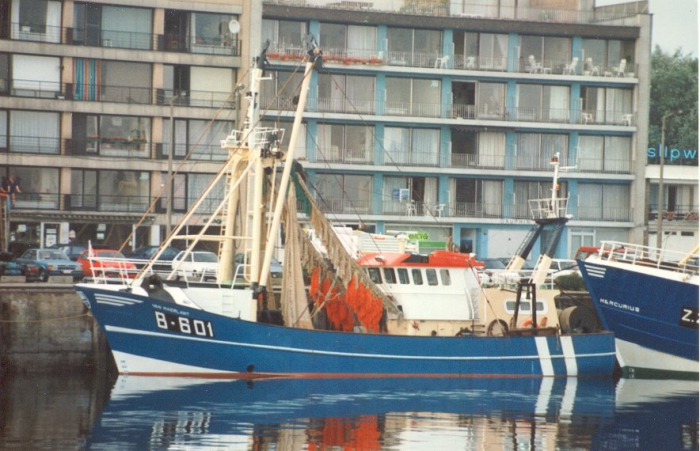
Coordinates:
<point>347,354</point>
<point>567,347</point>
<point>544,356</point>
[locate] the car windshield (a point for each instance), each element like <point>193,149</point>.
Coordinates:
<point>494,264</point>
<point>206,257</point>
<point>109,254</point>
<point>52,255</point>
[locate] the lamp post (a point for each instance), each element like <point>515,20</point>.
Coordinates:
<point>660,198</point>
<point>169,187</point>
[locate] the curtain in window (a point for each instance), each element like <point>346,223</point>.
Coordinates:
<point>527,151</point>
<point>34,131</point>
<point>324,148</point>
<point>493,51</point>
<point>618,103</point>
<point>396,143</point>
<point>36,73</point>
<point>529,101</point>
<point>590,200</point>
<point>362,41</point>
<point>492,149</point>
<point>269,31</point>
<point>617,154</point>
<point>86,73</point>
<point>491,99</point>
<point>3,129</point>
<point>425,147</point>
<point>492,197</point>
<point>53,22</point>
<point>359,95</point>
<point>210,86</point>
<point>590,153</point>
<point>551,144</point>
<point>196,185</point>
<point>126,27</point>
<point>430,194</point>
<point>616,203</point>
<point>556,100</point>
<point>206,142</point>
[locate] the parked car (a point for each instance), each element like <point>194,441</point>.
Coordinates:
<point>162,265</point>
<point>72,250</point>
<point>196,264</point>
<point>106,263</point>
<point>10,267</point>
<point>494,272</point>
<point>561,267</point>
<point>276,270</point>
<point>51,262</point>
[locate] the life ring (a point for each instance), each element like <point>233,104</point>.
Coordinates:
<point>528,323</point>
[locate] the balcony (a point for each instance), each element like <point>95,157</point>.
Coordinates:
<point>105,38</point>
<point>474,9</point>
<point>334,154</point>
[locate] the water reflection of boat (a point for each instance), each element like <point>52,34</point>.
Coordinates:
<point>652,414</point>
<point>356,413</point>
<point>649,298</point>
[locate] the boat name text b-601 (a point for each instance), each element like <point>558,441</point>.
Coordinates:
<point>689,317</point>
<point>184,325</point>
<point>619,305</point>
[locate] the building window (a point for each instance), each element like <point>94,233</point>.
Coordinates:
<point>35,132</point>
<point>416,97</point>
<point>36,76</point>
<point>338,93</point>
<point>36,20</point>
<point>600,55</point>
<point>542,103</point>
<point>345,143</point>
<point>348,43</point>
<point>280,93</point>
<point>40,187</point>
<point>523,191</point>
<point>607,105</point>
<point>553,53</point>
<point>476,197</point>
<point>411,147</point>
<point>340,193</point>
<point>413,47</point>
<point>285,36</point>
<point>211,34</point>
<point>604,154</point>
<point>124,191</point>
<point>201,139</point>
<point>421,199</point>
<point>603,202</point>
<point>491,98</point>
<point>534,151</point>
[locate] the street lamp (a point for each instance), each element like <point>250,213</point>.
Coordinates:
<point>169,187</point>
<point>660,197</point>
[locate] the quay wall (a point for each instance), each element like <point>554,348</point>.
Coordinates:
<point>45,328</point>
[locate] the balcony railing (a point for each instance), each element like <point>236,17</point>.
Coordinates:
<point>33,144</point>
<point>475,10</point>
<point>344,206</point>
<point>341,155</point>
<point>685,212</point>
<point>225,46</point>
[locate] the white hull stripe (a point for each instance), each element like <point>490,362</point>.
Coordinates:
<point>567,347</point>
<point>595,271</point>
<point>544,396</point>
<point>115,300</point>
<point>545,356</point>
<point>538,340</point>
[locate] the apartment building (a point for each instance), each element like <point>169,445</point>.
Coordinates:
<point>442,117</point>
<point>101,101</point>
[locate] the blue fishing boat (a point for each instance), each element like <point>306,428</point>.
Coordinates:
<point>387,315</point>
<point>649,298</point>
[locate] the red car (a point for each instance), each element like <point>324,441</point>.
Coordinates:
<point>106,263</point>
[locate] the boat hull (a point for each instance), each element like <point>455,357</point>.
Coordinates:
<point>151,337</point>
<point>654,317</point>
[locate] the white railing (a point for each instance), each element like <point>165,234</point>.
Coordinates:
<point>654,257</point>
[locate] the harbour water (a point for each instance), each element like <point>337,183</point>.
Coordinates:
<point>83,411</point>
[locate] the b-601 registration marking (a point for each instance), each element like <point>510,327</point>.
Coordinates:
<point>184,325</point>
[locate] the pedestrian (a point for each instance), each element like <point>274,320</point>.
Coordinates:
<point>13,188</point>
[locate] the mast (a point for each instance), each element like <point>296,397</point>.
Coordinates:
<point>314,61</point>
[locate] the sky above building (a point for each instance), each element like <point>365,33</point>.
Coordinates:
<point>675,24</point>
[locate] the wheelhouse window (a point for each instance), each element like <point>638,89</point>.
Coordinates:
<point>389,276</point>
<point>403,276</point>
<point>417,276</point>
